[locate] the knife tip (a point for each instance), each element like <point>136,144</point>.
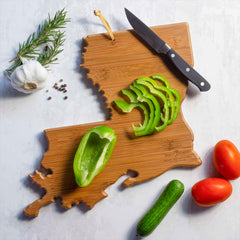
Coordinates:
<point>126,10</point>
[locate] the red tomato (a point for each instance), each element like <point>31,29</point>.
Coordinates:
<point>226,158</point>
<point>211,191</point>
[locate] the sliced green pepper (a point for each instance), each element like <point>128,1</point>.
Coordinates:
<point>157,110</point>
<point>163,98</point>
<point>128,107</point>
<point>133,99</point>
<point>174,92</point>
<point>170,98</point>
<point>141,98</point>
<point>162,79</point>
<point>93,154</point>
<point>169,94</point>
<point>177,101</point>
<point>131,95</point>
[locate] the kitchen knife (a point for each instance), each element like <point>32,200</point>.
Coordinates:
<point>161,47</point>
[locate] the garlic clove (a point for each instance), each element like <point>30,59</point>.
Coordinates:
<point>34,71</point>
<point>19,76</point>
<point>42,72</point>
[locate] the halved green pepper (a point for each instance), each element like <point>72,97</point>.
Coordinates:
<point>93,154</point>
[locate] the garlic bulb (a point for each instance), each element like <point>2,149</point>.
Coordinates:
<point>30,77</point>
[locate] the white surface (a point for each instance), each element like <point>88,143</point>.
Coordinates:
<point>214,115</point>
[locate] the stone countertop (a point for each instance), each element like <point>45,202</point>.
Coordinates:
<point>212,116</point>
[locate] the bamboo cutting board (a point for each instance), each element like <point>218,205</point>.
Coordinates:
<point>114,65</point>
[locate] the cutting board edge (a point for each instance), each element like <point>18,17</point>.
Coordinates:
<point>188,154</point>
<point>186,24</point>
<point>152,27</point>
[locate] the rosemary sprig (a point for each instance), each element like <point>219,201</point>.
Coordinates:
<point>49,36</point>
<point>48,56</point>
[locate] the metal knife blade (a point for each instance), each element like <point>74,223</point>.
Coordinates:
<point>161,47</point>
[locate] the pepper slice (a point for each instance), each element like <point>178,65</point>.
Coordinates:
<point>169,95</point>
<point>174,92</point>
<point>177,101</point>
<point>93,154</point>
<point>132,96</point>
<point>162,79</point>
<point>163,103</point>
<point>133,99</point>
<point>128,107</point>
<point>163,98</point>
<point>149,128</point>
<point>157,110</point>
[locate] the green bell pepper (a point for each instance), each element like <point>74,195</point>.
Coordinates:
<point>164,100</point>
<point>128,107</point>
<point>141,98</point>
<point>162,79</point>
<point>157,110</point>
<point>133,99</point>
<point>169,95</point>
<point>93,154</point>
<point>174,92</point>
<point>177,101</point>
<point>159,102</point>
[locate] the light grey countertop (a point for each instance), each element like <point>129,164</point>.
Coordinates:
<point>212,116</point>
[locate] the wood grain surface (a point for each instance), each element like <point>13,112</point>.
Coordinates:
<point>113,65</point>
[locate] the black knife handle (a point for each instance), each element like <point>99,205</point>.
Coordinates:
<point>188,71</point>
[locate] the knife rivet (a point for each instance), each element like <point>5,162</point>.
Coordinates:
<point>187,69</point>
<point>202,84</point>
<point>172,55</point>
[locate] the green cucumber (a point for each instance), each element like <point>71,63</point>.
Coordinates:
<point>158,211</point>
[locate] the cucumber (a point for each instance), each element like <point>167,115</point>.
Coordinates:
<point>158,211</point>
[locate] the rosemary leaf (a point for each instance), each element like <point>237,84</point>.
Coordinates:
<point>47,35</point>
